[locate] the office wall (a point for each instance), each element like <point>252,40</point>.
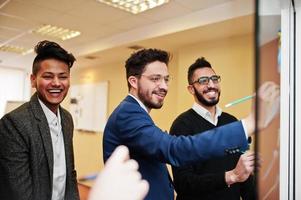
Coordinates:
<point>232,58</point>
<point>88,146</point>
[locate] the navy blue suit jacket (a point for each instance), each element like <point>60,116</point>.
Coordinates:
<point>131,125</point>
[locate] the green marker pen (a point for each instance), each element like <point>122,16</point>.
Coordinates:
<point>239,100</point>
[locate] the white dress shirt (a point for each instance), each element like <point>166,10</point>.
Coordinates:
<point>59,161</point>
<point>203,112</point>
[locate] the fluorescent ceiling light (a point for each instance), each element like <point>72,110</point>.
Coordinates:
<point>134,6</point>
<point>15,49</point>
<point>56,32</point>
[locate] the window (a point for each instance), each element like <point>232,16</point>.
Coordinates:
<point>13,86</point>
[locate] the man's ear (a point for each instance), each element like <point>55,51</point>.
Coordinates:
<point>33,81</point>
<point>133,81</point>
<point>190,89</point>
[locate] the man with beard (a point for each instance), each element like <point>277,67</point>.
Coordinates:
<point>36,150</point>
<point>131,125</point>
<point>215,178</point>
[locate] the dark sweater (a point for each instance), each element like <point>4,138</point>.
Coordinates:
<point>206,180</point>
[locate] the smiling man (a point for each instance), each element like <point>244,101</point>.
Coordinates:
<point>131,125</point>
<point>36,151</point>
<point>215,178</point>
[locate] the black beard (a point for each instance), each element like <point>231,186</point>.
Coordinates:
<point>205,102</point>
<point>147,103</point>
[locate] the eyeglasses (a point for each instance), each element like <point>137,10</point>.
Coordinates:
<point>204,80</point>
<point>157,79</point>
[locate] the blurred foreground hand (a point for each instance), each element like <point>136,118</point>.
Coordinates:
<point>120,179</point>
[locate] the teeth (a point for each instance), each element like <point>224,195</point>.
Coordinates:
<point>161,95</point>
<point>212,92</point>
<point>55,91</point>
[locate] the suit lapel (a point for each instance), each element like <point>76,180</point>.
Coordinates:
<point>44,132</point>
<point>67,135</point>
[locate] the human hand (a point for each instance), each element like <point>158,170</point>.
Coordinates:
<point>268,103</point>
<point>268,106</point>
<point>243,169</point>
<point>120,179</point>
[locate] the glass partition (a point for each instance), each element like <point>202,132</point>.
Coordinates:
<point>275,62</point>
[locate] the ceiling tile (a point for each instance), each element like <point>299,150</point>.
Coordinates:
<point>98,12</point>
<point>131,22</point>
<point>58,5</point>
<point>200,4</point>
<point>14,23</point>
<point>29,12</point>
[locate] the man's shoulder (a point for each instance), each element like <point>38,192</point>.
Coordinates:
<point>128,105</point>
<point>20,118</point>
<point>183,124</point>
<point>22,112</point>
<point>228,116</point>
<point>187,115</point>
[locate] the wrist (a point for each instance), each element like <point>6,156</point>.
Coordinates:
<point>230,178</point>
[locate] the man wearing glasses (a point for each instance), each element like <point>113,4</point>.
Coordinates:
<point>216,178</point>
<point>131,125</point>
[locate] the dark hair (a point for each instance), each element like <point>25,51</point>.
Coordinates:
<point>199,63</point>
<point>50,50</point>
<point>135,64</point>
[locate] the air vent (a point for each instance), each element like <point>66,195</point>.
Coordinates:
<point>91,57</point>
<point>136,47</point>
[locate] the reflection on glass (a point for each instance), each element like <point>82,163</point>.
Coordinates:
<point>269,70</point>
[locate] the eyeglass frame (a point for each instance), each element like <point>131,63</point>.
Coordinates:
<point>160,78</point>
<point>208,78</point>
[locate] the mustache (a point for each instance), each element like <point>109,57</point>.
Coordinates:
<point>211,89</point>
<point>160,91</point>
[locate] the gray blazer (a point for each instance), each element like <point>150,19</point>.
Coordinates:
<point>26,156</point>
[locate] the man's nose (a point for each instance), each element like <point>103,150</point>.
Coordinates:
<point>211,83</point>
<point>163,84</point>
<point>55,81</point>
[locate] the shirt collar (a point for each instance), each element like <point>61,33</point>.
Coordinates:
<point>140,103</point>
<point>203,112</point>
<point>50,116</point>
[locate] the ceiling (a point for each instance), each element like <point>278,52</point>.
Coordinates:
<point>106,32</point>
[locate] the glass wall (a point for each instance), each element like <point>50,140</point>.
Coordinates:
<point>276,61</point>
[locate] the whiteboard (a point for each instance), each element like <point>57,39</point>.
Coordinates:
<point>88,106</point>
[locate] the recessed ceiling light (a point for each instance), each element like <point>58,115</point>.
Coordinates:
<point>134,6</point>
<point>56,32</point>
<point>15,49</point>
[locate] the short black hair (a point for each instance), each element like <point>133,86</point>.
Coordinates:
<point>135,64</point>
<point>199,63</point>
<point>50,50</point>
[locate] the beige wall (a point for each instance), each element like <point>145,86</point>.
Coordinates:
<point>232,58</point>
<point>88,146</point>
